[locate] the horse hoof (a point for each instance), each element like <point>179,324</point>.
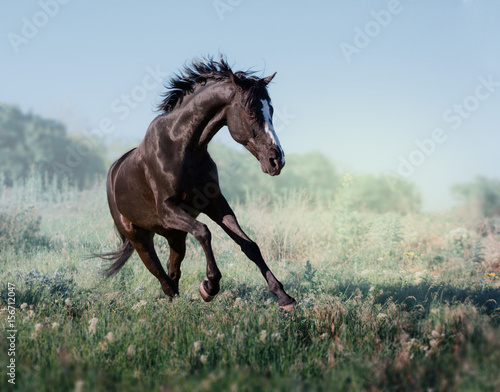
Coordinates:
<point>206,297</point>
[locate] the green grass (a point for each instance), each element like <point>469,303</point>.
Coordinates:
<point>387,302</point>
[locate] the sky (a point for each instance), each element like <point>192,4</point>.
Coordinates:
<point>393,88</point>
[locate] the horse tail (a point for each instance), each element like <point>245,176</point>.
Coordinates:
<point>117,258</point>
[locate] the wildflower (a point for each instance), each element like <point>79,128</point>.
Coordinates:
<point>196,346</point>
<point>24,306</point>
<point>93,325</point>
<point>31,313</point>
<point>239,303</point>
<point>347,180</point>
<point>262,319</point>
<point>203,358</point>
<point>79,386</point>
<point>38,327</point>
<point>220,336</point>
<point>55,325</point>
<point>381,316</point>
<point>263,335</point>
<point>139,304</point>
<point>276,336</point>
<point>103,346</point>
<point>110,337</point>
<point>419,275</point>
<point>130,351</point>
<point>67,301</point>
<point>323,335</point>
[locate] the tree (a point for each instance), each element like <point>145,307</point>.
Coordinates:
<point>385,194</point>
<point>30,143</point>
<point>483,193</point>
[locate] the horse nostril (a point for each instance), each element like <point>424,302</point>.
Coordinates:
<point>273,162</point>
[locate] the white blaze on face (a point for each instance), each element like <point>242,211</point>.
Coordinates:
<point>269,128</point>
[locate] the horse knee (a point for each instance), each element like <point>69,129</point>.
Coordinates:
<point>203,235</point>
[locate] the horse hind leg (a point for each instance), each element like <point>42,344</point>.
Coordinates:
<point>135,237</point>
<point>143,244</point>
<point>142,241</point>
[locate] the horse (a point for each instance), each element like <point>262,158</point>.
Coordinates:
<point>164,184</point>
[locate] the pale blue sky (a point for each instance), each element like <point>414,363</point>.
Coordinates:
<point>364,110</point>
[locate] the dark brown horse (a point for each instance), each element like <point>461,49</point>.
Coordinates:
<point>161,186</point>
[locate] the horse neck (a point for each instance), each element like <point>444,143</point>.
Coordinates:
<point>202,114</point>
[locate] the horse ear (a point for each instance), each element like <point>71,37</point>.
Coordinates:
<point>268,79</point>
<point>234,79</point>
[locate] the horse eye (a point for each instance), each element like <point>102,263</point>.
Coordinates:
<point>251,116</point>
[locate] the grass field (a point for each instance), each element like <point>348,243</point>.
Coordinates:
<point>386,302</point>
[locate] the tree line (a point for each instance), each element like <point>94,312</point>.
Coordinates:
<point>33,145</point>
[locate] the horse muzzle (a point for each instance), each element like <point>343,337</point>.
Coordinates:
<point>272,162</point>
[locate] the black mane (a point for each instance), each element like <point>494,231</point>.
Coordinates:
<point>201,70</point>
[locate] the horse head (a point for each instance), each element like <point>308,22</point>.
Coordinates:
<point>250,121</point>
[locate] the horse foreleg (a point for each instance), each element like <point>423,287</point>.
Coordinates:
<point>177,243</point>
<point>221,213</point>
<point>176,218</point>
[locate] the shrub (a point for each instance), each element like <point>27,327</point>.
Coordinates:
<point>20,229</point>
<point>54,284</point>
